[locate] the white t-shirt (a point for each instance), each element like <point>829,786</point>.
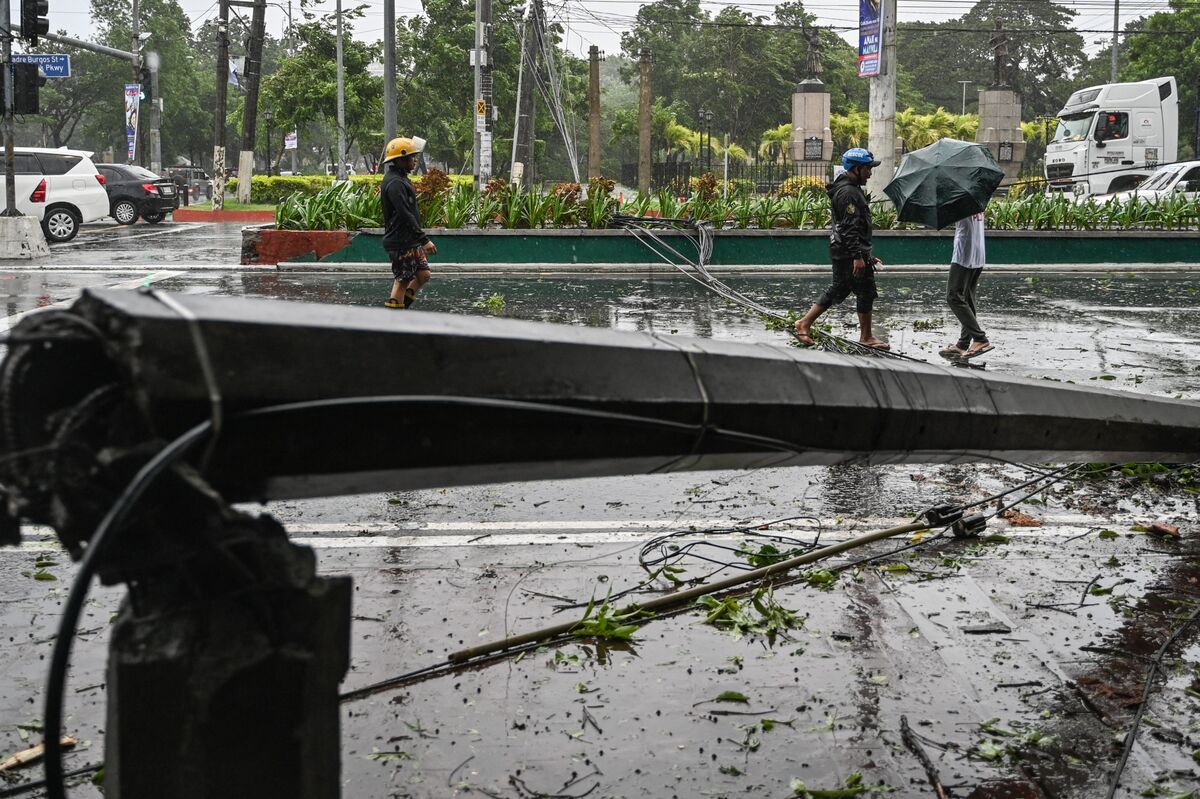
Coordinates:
<point>969,249</point>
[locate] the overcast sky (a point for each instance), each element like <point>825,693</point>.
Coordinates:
<point>601,22</point>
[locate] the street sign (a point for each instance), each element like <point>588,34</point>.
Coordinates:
<point>480,115</point>
<point>290,141</point>
<point>51,65</point>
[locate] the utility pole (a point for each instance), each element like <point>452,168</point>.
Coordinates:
<point>594,58</point>
<point>153,62</point>
<point>965,84</point>
<point>481,60</point>
<point>389,70</point>
<point>253,75</point>
<point>882,131</point>
<point>218,178</point>
<point>10,189</point>
<point>645,59</point>
<point>524,133</point>
<point>341,101</point>
<point>1116,59</point>
<point>136,26</point>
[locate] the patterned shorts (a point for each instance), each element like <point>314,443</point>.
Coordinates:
<point>406,264</point>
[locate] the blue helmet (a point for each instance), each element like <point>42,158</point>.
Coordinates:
<point>857,156</point>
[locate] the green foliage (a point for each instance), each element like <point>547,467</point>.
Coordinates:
<point>347,206</point>
<point>854,786</point>
<point>763,616</point>
<point>800,185</point>
<point>607,624</point>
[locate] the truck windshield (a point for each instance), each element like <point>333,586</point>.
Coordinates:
<point>1073,128</point>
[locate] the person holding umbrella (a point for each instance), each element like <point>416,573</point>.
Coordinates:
<point>951,181</point>
<point>849,250</point>
<point>965,267</point>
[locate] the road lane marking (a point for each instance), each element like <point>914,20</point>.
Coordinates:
<point>118,237</point>
<point>587,533</point>
<point>8,323</point>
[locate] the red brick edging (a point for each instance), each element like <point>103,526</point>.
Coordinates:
<point>269,246</point>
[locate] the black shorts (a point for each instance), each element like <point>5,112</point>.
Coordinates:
<point>406,264</point>
<point>845,283</point>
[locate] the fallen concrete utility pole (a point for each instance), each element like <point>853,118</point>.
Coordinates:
<point>227,623</point>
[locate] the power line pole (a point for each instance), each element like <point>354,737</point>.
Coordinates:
<point>1116,39</point>
<point>341,100</point>
<point>10,189</point>
<point>135,23</point>
<point>594,58</point>
<point>389,70</point>
<point>883,104</point>
<point>218,190</point>
<point>524,134</point>
<point>481,161</point>
<point>253,77</point>
<point>645,59</point>
<point>153,62</point>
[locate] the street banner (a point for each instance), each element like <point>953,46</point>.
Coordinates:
<point>133,99</point>
<point>51,65</point>
<point>291,141</point>
<point>870,37</point>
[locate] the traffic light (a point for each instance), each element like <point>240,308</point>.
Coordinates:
<point>26,81</point>
<point>33,19</point>
<point>144,79</point>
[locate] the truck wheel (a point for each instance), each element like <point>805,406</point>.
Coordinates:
<point>61,223</point>
<point>124,212</point>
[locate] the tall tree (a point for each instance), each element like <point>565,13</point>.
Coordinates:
<point>302,92</point>
<point>1044,49</point>
<point>1166,44</point>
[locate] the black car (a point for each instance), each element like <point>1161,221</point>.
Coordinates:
<point>134,191</point>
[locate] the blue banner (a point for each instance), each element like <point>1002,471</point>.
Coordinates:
<point>133,100</point>
<point>870,37</point>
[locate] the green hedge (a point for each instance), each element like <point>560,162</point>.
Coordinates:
<point>265,189</point>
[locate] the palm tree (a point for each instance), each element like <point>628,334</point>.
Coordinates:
<point>850,130</point>
<point>775,142</point>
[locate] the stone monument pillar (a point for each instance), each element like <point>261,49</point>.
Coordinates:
<point>811,139</point>
<point>1000,113</point>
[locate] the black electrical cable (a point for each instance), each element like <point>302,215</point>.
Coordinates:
<point>36,785</point>
<point>177,449</point>
<point>60,657</point>
<point>1155,666</point>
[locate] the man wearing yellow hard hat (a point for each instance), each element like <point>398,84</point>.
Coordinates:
<point>403,239</point>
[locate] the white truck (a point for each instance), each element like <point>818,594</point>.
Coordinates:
<point>1112,137</point>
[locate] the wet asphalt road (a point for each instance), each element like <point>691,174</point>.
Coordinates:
<point>1031,708</point>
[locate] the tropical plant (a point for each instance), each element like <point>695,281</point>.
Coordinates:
<point>801,184</point>
<point>775,142</point>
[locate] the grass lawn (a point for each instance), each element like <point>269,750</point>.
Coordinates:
<point>231,205</point>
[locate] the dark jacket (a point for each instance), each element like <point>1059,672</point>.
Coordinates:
<point>850,236</point>
<point>401,217</point>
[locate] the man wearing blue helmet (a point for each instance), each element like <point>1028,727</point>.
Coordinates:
<point>849,249</point>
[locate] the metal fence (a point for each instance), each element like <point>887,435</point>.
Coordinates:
<point>761,178</point>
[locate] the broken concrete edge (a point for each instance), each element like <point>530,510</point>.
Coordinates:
<point>588,250</point>
<point>266,245</point>
<point>21,238</point>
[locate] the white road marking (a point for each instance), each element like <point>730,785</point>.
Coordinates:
<point>7,323</point>
<point>175,228</point>
<point>381,535</point>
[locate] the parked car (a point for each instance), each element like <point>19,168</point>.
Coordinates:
<point>198,184</point>
<point>60,187</point>
<point>137,192</point>
<point>1183,176</point>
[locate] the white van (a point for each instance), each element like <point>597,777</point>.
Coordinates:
<point>62,188</point>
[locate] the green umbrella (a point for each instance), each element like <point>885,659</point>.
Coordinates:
<point>947,181</point>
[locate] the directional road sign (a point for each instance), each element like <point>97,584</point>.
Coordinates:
<point>51,65</point>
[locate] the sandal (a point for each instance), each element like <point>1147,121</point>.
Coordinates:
<point>953,351</point>
<point>392,302</point>
<point>804,338</point>
<point>876,344</point>
<point>979,348</point>
<point>409,296</point>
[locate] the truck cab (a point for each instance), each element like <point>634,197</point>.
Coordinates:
<point>1110,138</point>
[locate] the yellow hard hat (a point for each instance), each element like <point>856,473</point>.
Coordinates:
<point>402,146</point>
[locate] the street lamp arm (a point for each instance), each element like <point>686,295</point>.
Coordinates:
<point>95,48</point>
